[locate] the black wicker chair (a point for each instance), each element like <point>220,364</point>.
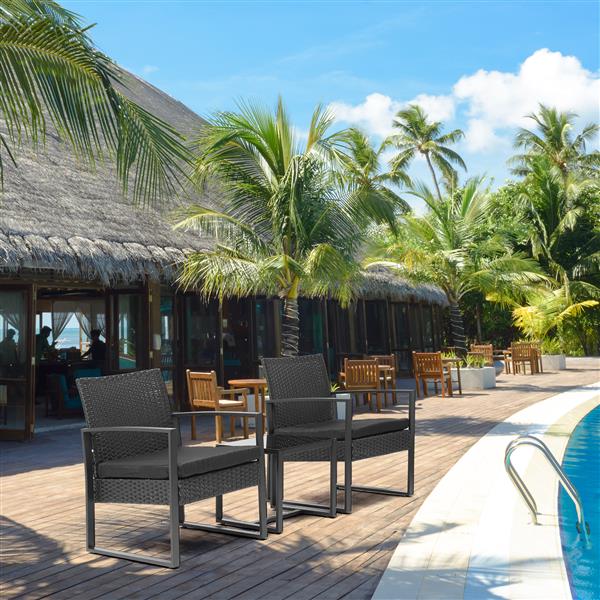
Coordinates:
<point>133,454</point>
<point>301,406</point>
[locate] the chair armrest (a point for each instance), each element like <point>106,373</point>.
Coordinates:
<point>234,391</point>
<point>127,429</point>
<point>173,441</point>
<point>218,413</point>
<point>258,422</point>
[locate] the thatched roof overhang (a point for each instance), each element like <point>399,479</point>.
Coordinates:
<point>63,219</point>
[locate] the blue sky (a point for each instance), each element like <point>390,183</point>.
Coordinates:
<point>479,65</point>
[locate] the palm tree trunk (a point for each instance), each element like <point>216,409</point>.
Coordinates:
<point>435,181</point>
<point>457,328</point>
<point>290,326</point>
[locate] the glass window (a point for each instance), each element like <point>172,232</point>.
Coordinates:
<point>129,331</point>
<point>311,326</point>
<point>377,326</point>
<point>237,352</point>
<point>201,334</point>
<point>167,337</point>
<point>13,360</point>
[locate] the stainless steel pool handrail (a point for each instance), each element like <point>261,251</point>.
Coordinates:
<point>529,440</point>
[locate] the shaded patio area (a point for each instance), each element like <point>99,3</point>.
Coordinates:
<point>43,530</point>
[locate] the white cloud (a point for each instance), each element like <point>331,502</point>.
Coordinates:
<point>481,137</point>
<point>148,69</point>
<point>377,112</point>
<point>492,103</point>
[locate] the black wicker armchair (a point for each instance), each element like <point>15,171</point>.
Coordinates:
<point>301,406</point>
<point>133,454</point>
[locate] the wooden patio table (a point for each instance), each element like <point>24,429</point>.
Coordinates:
<point>456,363</point>
<point>259,389</point>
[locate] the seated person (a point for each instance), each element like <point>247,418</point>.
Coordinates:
<point>97,349</point>
<point>42,346</point>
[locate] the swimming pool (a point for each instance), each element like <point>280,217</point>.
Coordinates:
<point>581,463</point>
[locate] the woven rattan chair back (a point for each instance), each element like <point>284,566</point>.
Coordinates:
<point>487,350</point>
<point>427,364</point>
<point>361,374</point>
<point>129,399</point>
<point>298,377</point>
<point>203,391</point>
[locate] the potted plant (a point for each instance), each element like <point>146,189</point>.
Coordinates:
<point>475,375</point>
<point>552,357</point>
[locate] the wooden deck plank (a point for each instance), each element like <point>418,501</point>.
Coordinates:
<point>41,494</point>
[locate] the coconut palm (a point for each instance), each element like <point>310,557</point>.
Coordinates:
<point>554,204</point>
<point>285,226</point>
<point>418,135</point>
<point>362,172</point>
<point>449,246</point>
<point>555,139</point>
<point>52,77</point>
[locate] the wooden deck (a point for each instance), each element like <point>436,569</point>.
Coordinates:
<point>43,518</point>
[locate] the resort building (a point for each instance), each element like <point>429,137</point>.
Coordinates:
<point>76,257</point>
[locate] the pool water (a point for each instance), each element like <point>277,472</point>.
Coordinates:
<point>581,463</point>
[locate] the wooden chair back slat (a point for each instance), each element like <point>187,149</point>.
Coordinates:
<point>389,360</point>
<point>361,373</point>
<point>427,363</point>
<point>203,391</point>
<point>487,350</point>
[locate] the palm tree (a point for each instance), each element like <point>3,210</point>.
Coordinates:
<point>51,74</point>
<point>285,225</point>
<point>554,204</point>
<point>418,135</point>
<point>449,246</point>
<point>362,172</point>
<point>555,139</point>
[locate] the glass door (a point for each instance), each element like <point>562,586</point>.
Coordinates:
<point>129,332</point>
<point>16,395</point>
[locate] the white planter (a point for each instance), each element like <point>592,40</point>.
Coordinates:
<point>554,362</point>
<point>477,379</point>
<point>341,406</point>
<point>251,408</point>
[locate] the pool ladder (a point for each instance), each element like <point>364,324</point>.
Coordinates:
<point>529,440</point>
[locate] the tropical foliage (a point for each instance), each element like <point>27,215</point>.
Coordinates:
<point>52,77</point>
<point>290,221</point>
<point>450,247</point>
<point>416,134</point>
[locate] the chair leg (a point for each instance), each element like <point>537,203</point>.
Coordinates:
<point>424,382</point>
<point>219,429</point>
<point>245,419</point>
<point>193,428</point>
<point>232,426</point>
<point>417,387</point>
<point>436,388</point>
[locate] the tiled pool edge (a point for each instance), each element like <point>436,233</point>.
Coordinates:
<point>473,537</point>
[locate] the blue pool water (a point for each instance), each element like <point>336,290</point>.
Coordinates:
<point>582,466</point>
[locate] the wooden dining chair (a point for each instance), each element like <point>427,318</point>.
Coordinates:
<point>205,394</point>
<point>523,353</point>
<point>363,376</point>
<point>388,376</point>
<point>487,350</point>
<point>429,365</point>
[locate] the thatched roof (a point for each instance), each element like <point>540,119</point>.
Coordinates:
<point>383,283</point>
<point>57,214</point>
<point>60,217</point>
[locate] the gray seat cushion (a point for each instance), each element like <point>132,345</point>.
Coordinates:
<point>360,428</point>
<point>191,460</point>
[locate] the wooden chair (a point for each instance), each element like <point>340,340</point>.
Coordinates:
<point>387,376</point>
<point>487,350</point>
<point>205,394</point>
<point>362,376</point>
<point>522,353</point>
<point>429,365</point>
